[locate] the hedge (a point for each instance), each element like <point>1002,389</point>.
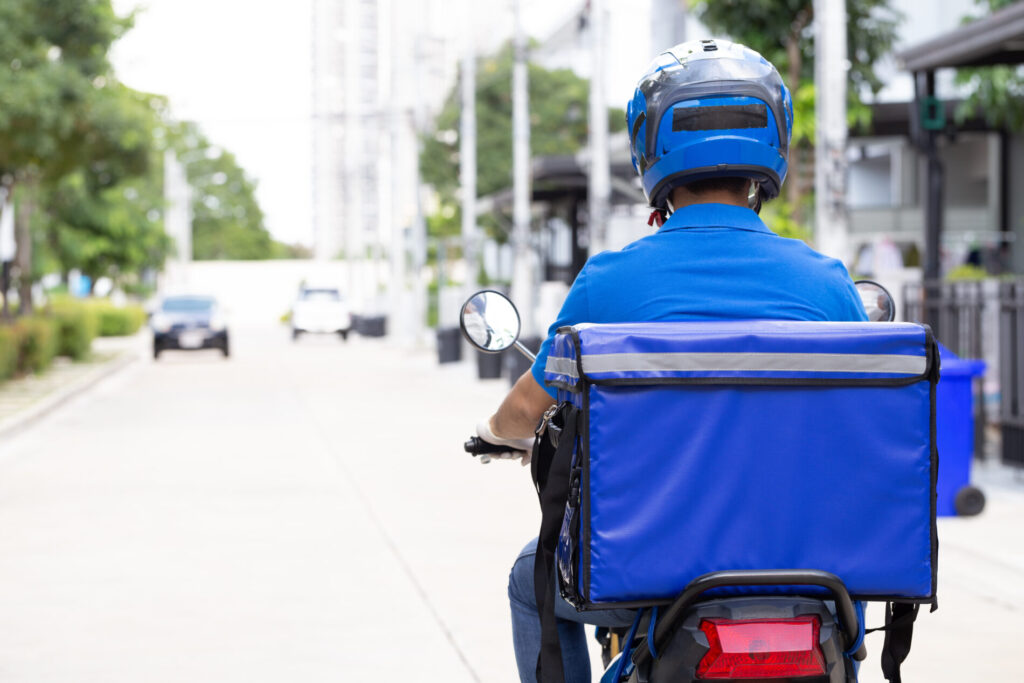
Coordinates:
<point>9,351</point>
<point>27,345</point>
<point>66,328</point>
<point>76,328</point>
<point>37,343</point>
<point>117,321</point>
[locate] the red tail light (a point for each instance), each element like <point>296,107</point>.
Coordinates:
<point>761,648</point>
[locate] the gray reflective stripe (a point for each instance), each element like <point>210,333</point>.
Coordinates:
<point>752,362</point>
<point>561,366</point>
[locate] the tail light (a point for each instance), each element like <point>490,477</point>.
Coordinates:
<point>761,648</point>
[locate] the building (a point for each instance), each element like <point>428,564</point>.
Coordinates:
<point>983,179</point>
<point>379,68</point>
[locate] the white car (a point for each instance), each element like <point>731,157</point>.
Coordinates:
<point>321,310</point>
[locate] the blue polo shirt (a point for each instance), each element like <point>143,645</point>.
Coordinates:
<point>707,262</point>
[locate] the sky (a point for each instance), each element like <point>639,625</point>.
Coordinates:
<point>242,70</point>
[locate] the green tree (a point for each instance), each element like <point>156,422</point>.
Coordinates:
<point>781,30</point>
<point>105,218</point>
<point>558,125</point>
<point>54,57</point>
<point>996,92</point>
<point>227,221</point>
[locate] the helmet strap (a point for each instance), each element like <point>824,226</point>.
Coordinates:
<point>657,218</point>
<point>754,196</point>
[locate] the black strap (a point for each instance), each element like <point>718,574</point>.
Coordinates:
<point>899,631</point>
<point>550,471</point>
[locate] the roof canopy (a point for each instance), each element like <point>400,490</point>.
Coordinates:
<point>996,39</point>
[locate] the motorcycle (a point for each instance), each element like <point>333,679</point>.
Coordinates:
<point>703,634</point>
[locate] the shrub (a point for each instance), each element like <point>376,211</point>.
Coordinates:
<point>36,343</point>
<point>76,327</point>
<point>8,351</point>
<point>117,321</point>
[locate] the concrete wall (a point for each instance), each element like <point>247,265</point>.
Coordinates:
<point>255,292</point>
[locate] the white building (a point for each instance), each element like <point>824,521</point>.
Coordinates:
<point>378,69</point>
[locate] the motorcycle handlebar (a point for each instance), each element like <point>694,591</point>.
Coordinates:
<point>476,446</point>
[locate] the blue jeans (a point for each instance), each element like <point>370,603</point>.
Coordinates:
<point>526,624</point>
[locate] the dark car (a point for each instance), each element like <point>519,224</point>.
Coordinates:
<point>189,323</point>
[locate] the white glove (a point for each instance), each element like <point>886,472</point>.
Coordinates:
<point>518,448</point>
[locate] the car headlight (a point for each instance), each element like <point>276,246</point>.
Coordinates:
<point>218,323</point>
<point>160,322</point>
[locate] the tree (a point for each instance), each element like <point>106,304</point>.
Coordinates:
<point>996,92</point>
<point>57,56</point>
<point>558,125</point>
<point>781,30</point>
<point>227,221</point>
<point>105,217</point>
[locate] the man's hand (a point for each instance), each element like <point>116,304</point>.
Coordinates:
<point>517,448</point>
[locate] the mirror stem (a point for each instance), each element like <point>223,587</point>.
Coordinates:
<point>525,351</point>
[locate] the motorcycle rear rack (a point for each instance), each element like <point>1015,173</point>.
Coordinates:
<point>763,577</point>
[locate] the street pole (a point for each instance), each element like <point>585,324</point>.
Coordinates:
<point>7,248</point>
<point>668,24</point>
<point>830,73</point>
<point>391,181</point>
<point>419,225</point>
<point>385,168</point>
<point>178,220</point>
<point>524,269</point>
<point>467,154</point>
<point>599,185</point>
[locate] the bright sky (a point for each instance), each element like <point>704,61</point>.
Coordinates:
<point>242,70</point>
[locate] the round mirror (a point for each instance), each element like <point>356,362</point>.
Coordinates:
<point>490,321</point>
<point>878,302</point>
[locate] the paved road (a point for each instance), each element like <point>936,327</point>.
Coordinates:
<point>303,513</point>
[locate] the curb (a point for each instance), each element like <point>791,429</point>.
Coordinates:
<point>28,417</point>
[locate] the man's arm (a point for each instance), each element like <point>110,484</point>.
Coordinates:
<point>519,413</point>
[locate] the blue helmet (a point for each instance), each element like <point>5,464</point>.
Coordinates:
<point>709,109</point>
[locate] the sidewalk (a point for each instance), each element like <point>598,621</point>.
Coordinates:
<point>25,399</point>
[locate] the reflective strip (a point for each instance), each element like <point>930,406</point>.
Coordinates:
<point>561,366</point>
<point>751,362</point>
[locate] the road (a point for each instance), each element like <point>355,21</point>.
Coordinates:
<point>302,512</point>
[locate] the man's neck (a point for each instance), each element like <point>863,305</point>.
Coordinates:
<point>682,197</point>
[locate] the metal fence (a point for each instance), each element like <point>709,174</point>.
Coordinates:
<point>956,313</point>
<point>1011,380</point>
<point>954,310</point>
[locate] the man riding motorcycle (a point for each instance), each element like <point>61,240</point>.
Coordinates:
<point>710,125</point>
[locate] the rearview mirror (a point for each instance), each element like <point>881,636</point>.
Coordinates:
<point>490,321</point>
<point>877,301</point>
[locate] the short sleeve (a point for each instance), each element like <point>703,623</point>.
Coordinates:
<point>849,306</point>
<point>576,309</point>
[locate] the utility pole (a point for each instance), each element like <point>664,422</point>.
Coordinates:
<point>599,185</point>
<point>668,24</point>
<point>419,226</point>
<point>402,134</point>
<point>467,154</point>
<point>7,248</point>
<point>385,158</point>
<point>524,270</point>
<point>830,73</point>
<point>177,220</point>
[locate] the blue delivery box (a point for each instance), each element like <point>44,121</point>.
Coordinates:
<point>707,446</point>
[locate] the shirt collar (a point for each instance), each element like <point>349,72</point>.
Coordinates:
<point>715,216</point>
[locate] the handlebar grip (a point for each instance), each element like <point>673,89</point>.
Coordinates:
<point>477,446</point>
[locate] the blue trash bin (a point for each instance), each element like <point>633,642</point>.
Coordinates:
<point>955,432</point>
